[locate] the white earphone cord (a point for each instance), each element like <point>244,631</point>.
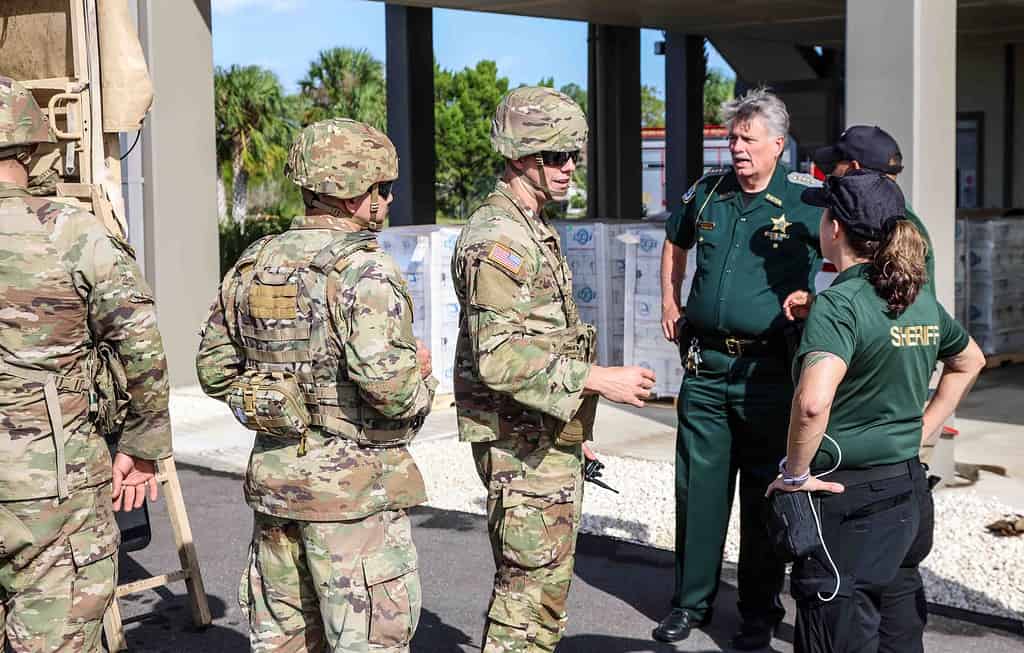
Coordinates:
<point>817,522</point>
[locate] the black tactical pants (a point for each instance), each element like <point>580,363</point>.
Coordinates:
<point>877,532</point>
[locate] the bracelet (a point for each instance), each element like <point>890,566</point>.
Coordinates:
<point>793,481</point>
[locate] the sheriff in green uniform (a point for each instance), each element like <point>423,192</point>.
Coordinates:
<point>867,353</point>
<point>757,242</point>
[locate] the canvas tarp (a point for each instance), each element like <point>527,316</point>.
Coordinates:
<point>36,43</point>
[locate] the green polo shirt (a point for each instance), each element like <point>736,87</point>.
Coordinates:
<point>750,255</point>
<point>929,259</point>
<point>876,414</point>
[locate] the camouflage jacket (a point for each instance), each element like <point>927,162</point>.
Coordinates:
<point>512,377</point>
<point>66,285</point>
<point>374,347</point>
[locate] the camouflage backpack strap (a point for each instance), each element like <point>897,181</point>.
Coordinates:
<point>52,383</point>
<point>336,257</point>
<point>329,257</point>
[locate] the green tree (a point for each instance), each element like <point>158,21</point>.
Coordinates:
<point>652,107</point>
<point>253,128</point>
<point>577,93</point>
<point>464,104</point>
<point>719,88</point>
<point>345,83</point>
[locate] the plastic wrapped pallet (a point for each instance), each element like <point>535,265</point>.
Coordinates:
<point>643,342</point>
<point>597,259</point>
<point>424,255</point>
<point>990,298</point>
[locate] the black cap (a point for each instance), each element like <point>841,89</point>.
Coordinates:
<point>867,202</point>
<point>872,147</point>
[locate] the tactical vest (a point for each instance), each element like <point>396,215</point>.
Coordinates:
<point>578,341</point>
<point>296,375</point>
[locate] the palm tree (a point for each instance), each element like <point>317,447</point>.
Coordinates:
<point>345,83</point>
<point>254,127</point>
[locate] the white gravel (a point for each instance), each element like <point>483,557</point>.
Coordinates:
<point>968,567</point>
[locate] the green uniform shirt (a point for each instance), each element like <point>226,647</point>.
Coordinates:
<point>749,257</point>
<point>876,414</point>
<point>929,258</point>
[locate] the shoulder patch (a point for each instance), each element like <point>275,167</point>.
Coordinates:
<point>688,195</point>
<point>803,179</point>
<point>505,258</point>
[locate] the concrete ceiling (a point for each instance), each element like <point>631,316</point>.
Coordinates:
<point>806,22</point>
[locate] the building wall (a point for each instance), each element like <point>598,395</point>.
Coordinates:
<point>980,88</point>
<point>179,168</point>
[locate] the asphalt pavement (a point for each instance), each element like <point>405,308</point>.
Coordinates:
<point>619,593</point>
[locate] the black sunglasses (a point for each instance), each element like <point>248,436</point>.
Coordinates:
<point>559,158</point>
<point>383,189</point>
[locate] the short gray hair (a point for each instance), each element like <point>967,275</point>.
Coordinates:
<point>758,102</point>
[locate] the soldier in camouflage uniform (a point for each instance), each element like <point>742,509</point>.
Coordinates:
<point>68,290</point>
<point>526,387</point>
<point>321,310</point>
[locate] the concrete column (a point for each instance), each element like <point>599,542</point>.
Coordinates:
<point>684,114</point>
<point>614,188</point>
<point>179,165</point>
<point>1009,122</point>
<point>410,80</point>
<point>901,75</point>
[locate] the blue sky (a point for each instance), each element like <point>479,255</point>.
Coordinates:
<point>284,35</point>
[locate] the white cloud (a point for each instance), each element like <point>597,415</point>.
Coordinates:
<point>225,7</point>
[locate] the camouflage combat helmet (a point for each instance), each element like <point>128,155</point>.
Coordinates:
<point>534,119</point>
<point>341,158</point>
<point>22,123</point>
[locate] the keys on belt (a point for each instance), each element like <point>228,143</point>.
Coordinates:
<point>693,357</point>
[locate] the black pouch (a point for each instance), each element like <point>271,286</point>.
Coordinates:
<point>684,333</point>
<point>791,525</point>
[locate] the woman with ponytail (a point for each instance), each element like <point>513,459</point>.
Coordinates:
<point>868,350</point>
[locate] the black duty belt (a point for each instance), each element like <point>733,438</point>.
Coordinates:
<point>736,346</point>
<point>860,476</point>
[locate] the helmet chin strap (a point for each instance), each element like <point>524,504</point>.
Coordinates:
<point>372,224</point>
<point>542,187</point>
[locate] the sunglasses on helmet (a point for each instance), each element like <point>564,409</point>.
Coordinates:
<point>383,189</point>
<point>559,158</point>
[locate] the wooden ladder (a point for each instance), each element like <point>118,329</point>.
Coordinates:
<point>113,627</point>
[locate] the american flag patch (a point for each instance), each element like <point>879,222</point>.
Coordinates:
<point>506,258</point>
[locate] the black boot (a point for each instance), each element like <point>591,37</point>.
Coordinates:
<point>677,625</point>
<point>754,635</point>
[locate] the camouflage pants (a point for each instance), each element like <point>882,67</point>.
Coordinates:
<point>345,587</point>
<point>58,571</point>
<point>534,502</point>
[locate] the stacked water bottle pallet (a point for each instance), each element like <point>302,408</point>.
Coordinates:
<point>424,256</point>
<point>597,259</point>
<point>643,341</point>
<point>989,293</point>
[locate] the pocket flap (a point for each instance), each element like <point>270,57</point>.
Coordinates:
<point>536,492</point>
<point>97,540</point>
<point>389,564</point>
